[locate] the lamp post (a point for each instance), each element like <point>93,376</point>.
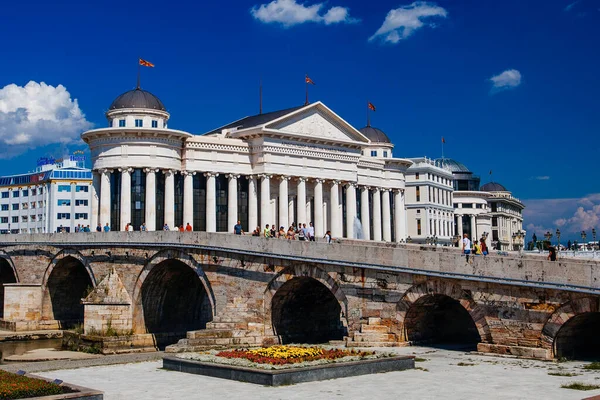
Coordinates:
<point>518,237</point>
<point>409,240</point>
<point>583,236</point>
<point>557,239</point>
<point>548,236</point>
<point>594,238</point>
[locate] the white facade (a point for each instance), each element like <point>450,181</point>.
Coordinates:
<point>53,197</point>
<point>300,165</point>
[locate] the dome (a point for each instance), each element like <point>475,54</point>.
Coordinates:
<point>452,165</point>
<point>375,135</point>
<point>493,187</point>
<point>137,98</point>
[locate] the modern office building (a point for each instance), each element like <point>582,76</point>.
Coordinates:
<point>55,197</point>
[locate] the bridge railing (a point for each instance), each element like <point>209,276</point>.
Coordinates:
<point>521,270</point>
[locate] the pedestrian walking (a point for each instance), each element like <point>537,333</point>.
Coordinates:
<point>466,246</point>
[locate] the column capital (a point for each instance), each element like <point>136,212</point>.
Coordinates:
<point>335,182</point>
<point>232,176</point>
<point>401,191</point>
<point>285,177</point>
<point>350,184</point>
<point>385,190</point>
<point>377,189</point>
<point>365,187</point>
<point>211,174</point>
<point>126,169</point>
<point>169,171</point>
<point>105,171</point>
<point>319,180</point>
<point>186,173</point>
<point>153,170</point>
<point>267,176</point>
<point>301,179</point>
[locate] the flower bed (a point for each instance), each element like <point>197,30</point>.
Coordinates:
<point>282,355</point>
<point>14,386</point>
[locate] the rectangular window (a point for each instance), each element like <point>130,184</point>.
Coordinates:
<point>15,220</point>
<point>479,205</point>
<point>25,206</point>
<point>34,192</point>
<point>64,202</point>
<point>80,188</point>
<point>121,123</point>
<point>418,193</point>
<point>15,207</point>
<point>4,220</point>
<point>385,154</point>
<point>5,195</point>
<point>373,153</point>
<point>417,176</point>
<point>418,211</point>
<point>15,193</point>
<point>25,193</point>
<point>155,124</point>
<point>139,123</point>
<point>33,204</point>
<point>63,216</point>
<point>81,202</point>
<point>64,188</point>
<point>81,216</point>
<point>24,218</point>
<point>32,218</point>
<point>467,205</point>
<point>4,207</point>
<point>110,123</point>
<point>418,227</point>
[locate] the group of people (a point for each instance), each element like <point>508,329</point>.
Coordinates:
<point>294,232</point>
<point>143,228</point>
<point>474,248</point>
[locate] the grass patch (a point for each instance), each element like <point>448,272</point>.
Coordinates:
<point>559,373</point>
<point>14,386</point>
<point>593,366</point>
<point>422,369</point>
<point>464,364</point>
<point>419,359</point>
<point>579,386</point>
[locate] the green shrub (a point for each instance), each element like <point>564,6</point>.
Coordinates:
<point>14,386</point>
<point>580,386</point>
<point>593,366</point>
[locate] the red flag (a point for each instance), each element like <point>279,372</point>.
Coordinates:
<point>371,106</point>
<point>146,63</point>
<point>308,80</point>
<point>443,140</point>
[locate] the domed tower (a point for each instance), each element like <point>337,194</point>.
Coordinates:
<point>135,163</point>
<point>380,146</point>
<point>137,108</point>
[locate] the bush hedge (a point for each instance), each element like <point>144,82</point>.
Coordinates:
<point>14,386</point>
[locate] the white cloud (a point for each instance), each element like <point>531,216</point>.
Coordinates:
<point>289,13</point>
<point>36,115</point>
<point>540,178</point>
<point>509,79</point>
<point>402,22</point>
<point>571,5</point>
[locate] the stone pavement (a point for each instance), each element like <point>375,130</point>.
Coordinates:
<point>479,377</point>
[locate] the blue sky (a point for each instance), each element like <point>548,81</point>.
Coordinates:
<point>512,86</point>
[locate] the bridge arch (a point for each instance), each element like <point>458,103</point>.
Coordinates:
<point>440,311</point>
<point>8,274</point>
<point>572,329</point>
<point>67,280</point>
<point>172,280</point>
<point>294,314</point>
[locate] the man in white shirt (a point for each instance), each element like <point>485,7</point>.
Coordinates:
<point>311,232</point>
<point>466,246</point>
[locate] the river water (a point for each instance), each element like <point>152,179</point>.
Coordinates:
<point>21,347</point>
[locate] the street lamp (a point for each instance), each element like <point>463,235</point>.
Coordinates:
<point>557,239</point>
<point>409,240</point>
<point>517,238</point>
<point>594,237</point>
<point>548,236</point>
<point>583,236</point>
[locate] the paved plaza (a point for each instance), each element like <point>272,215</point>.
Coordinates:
<point>440,376</point>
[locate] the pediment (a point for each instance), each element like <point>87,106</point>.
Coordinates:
<point>318,122</point>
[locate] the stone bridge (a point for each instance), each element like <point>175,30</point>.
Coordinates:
<point>212,289</point>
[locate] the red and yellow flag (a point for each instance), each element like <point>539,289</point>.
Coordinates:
<point>443,140</point>
<point>146,63</point>
<point>371,106</point>
<point>308,80</point>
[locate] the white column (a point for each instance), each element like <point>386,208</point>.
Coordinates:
<point>170,198</point>
<point>252,203</point>
<point>350,210</point>
<point>459,223</point>
<point>150,213</point>
<point>95,206</point>
<point>377,214</point>
<point>387,215</point>
<point>291,211</point>
<point>265,201</point>
<point>211,202</point>
<point>399,215</point>
<point>188,197</point>
<point>283,202</point>
<point>301,217</point>
<point>473,228</point>
<point>365,219</point>
<point>232,202</point>
<point>318,221</point>
<point>125,198</point>
<point>334,200</point>
<point>105,197</point>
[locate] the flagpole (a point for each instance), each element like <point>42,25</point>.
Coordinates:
<point>260,97</point>
<point>443,142</point>
<point>306,82</point>
<point>138,74</point>
<point>368,114</point>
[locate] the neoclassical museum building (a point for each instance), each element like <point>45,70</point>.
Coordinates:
<point>298,165</point>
